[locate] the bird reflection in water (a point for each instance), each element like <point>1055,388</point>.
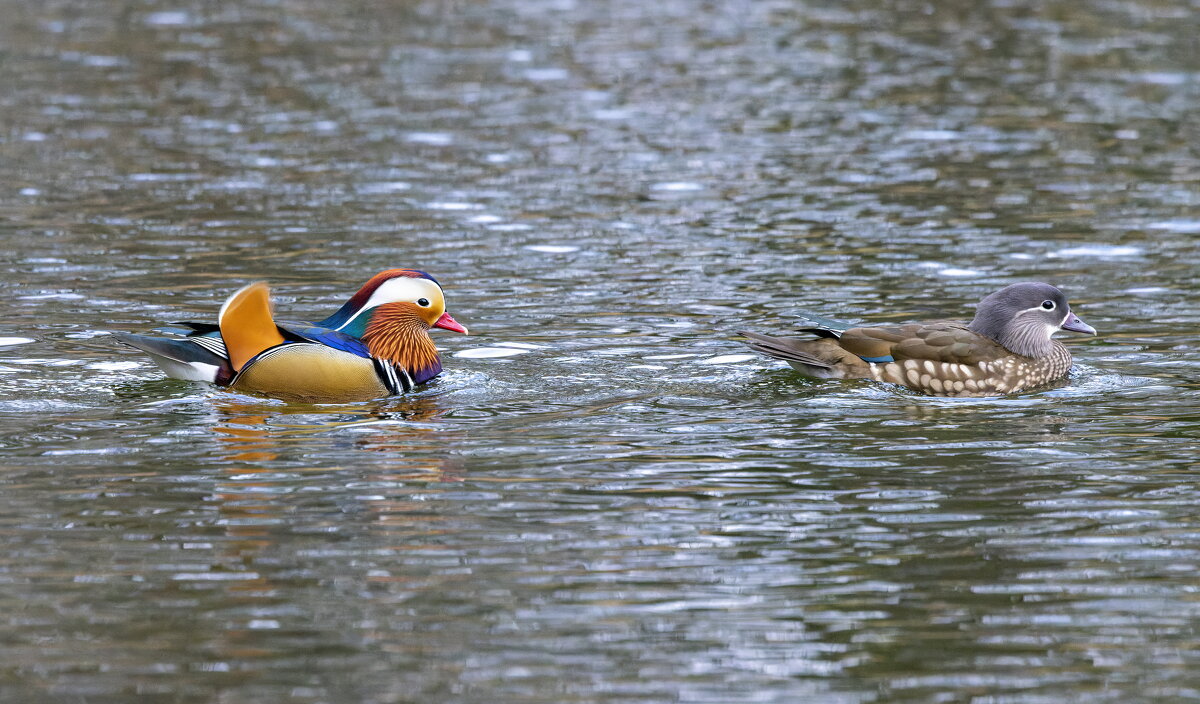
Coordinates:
<point>256,432</point>
<point>271,474</point>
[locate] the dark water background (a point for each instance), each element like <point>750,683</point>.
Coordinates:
<point>601,500</point>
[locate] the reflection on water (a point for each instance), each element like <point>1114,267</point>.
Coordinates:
<point>603,498</point>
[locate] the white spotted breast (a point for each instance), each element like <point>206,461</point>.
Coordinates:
<point>987,378</point>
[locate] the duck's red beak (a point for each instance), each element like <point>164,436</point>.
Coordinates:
<point>447,323</point>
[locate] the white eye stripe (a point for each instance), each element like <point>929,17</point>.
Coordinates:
<point>1037,309</point>
<point>401,288</point>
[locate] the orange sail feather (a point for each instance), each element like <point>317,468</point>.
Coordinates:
<point>247,325</point>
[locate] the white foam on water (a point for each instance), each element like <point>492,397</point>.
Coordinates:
<point>113,366</point>
<point>214,576</point>
<point>1180,226</point>
<point>729,359</point>
<point>489,352</point>
<point>384,187</point>
<point>168,18</point>
<point>677,186</point>
<point>552,248</point>
<point>47,362</point>
<point>435,139</point>
<point>612,114</point>
<point>451,205</point>
<point>932,135</point>
<point>547,74</point>
<point>946,270</point>
<point>1098,250</point>
<point>58,296</point>
<point>1163,78</point>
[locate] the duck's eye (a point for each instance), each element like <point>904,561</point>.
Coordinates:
<point>1048,305</point>
<point>424,302</point>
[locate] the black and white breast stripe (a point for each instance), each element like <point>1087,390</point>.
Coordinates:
<point>394,378</point>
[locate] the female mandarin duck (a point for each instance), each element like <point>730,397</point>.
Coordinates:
<point>377,344</point>
<point>1007,347</point>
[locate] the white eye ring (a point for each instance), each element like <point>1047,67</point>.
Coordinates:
<point>1048,305</point>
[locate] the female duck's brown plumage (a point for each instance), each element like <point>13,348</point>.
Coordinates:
<point>1007,347</point>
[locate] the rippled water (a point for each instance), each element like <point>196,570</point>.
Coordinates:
<point>604,498</point>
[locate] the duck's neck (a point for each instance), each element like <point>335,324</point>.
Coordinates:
<point>396,335</point>
<point>1027,340</point>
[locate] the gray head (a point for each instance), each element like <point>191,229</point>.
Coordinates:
<point>1022,317</point>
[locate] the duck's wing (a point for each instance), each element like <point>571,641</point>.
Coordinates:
<point>944,342</point>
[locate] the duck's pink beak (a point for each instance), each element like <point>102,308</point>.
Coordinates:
<point>447,323</point>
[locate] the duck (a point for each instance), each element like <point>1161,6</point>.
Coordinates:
<point>377,344</point>
<point>1007,348</point>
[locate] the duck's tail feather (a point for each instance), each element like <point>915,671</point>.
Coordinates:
<point>818,358</point>
<point>247,325</point>
<point>180,358</point>
<point>785,348</point>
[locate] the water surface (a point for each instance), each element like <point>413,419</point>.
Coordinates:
<point>602,499</point>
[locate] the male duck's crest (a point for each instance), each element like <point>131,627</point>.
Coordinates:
<point>376,344</point>
<point>386,287</point>
<point>1008,347</point>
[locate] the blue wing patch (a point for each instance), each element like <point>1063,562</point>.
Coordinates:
<point>329,338</point>
<point>878,360</point>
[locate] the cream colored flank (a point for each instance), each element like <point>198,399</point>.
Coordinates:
<point>312,372</point>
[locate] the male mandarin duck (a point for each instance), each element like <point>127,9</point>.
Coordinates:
<point>377,344</point>
<point>1007,348</point>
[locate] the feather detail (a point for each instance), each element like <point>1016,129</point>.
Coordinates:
<point>397,334</point>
